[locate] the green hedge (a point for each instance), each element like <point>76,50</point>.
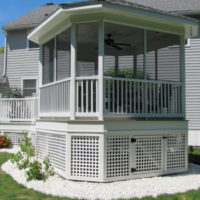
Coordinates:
<point>194,155</point>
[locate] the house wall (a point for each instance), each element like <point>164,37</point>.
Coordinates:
<point>192,55</point>
<point>21,61</point>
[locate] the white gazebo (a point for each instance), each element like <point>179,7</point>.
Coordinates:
<point>112,91</point>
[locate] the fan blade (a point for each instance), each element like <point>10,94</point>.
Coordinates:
<point>116,47</point>
<point>122,44</point>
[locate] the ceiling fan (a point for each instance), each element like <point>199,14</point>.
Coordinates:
<point>111,42</point>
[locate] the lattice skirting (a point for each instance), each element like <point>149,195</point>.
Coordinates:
<point>110,157</point>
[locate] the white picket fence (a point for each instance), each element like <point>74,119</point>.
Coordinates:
<point>18,109</point>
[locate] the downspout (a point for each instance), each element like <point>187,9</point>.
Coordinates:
<point>5,55</point>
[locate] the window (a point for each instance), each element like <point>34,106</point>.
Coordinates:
<point>29,87</point>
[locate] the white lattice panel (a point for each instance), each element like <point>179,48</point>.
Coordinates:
<point>15,137</point>
<point>85,156</point>
<point>176,152</point>
<point>148,155</point>
<point>53,146</point>
<point>117,156</point>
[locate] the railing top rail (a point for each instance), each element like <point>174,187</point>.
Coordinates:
<point>15,99</point>
<point>142,80</point>
<point>87,78</point>
<point>55,83</point>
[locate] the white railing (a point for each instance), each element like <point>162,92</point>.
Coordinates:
<point>143,98</point>
<point>87,96</point>
<point>18,109</point>
<point>55,99</point>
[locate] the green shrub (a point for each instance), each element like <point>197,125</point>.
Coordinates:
<point>26,145</point>
<point>13,93</point>
<point>35,171</point>
<point>126,73</point>
<point>25,159</point>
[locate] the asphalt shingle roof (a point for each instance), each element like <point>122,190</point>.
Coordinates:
<point>170,5</point>
<point>32,18</point>
<point>37,16</point>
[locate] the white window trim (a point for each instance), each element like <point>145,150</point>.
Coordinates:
<point>188,44</point>
<point>29,78</point>
<point>28,41</point>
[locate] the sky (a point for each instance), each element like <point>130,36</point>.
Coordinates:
<point>10,10</point>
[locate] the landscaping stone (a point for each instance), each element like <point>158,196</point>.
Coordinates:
<point>155,186</point>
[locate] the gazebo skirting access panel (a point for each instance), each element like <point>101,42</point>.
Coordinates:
<point>112,92</point>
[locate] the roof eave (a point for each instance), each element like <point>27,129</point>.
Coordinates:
<point>191,24</point>
<point>18,27</point>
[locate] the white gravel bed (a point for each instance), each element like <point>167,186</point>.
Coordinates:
<point>11,150</point>
<point>155,186</point>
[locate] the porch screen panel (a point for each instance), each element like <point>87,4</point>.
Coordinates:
<point>124,51</point>
<point>163,56</point>
<point>87,49</point>
<point>48,61</point>
<point>63,55</point>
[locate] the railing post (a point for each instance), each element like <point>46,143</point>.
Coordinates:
<point>182,60</point>
<point>73,71</point>
<point>100,69</point>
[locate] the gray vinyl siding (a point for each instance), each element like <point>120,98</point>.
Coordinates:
<point>21,62</point>
<point>192,55</point>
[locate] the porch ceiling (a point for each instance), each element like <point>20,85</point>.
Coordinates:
<point>139,17</point>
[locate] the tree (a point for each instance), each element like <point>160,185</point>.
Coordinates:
<point>1,50</point>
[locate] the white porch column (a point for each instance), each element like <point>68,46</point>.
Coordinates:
<point>100,69</point>
<point>55,60</point>
<point>116,65</point>
<point>182,66</point>
<point>135,67</point>
<point>73,70</point>
<point>156,64</point>
<point>144,71</point>
<point>144,58</point>
<point>40,81</point>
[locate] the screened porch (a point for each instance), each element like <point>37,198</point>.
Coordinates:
<point>106,69</point>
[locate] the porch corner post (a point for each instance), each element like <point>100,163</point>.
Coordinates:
<point>145,70</point>
<point>100,69</point>
<point>73,70</point>
<point>40,81</point>
<point>182,62</point>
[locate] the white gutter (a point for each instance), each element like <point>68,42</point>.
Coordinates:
<point>63,11</point>
<point>5,55</point>
<point>46,22</point>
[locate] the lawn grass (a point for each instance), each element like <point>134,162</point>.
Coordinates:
<point>10,190</point>
<point>194,151</point>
